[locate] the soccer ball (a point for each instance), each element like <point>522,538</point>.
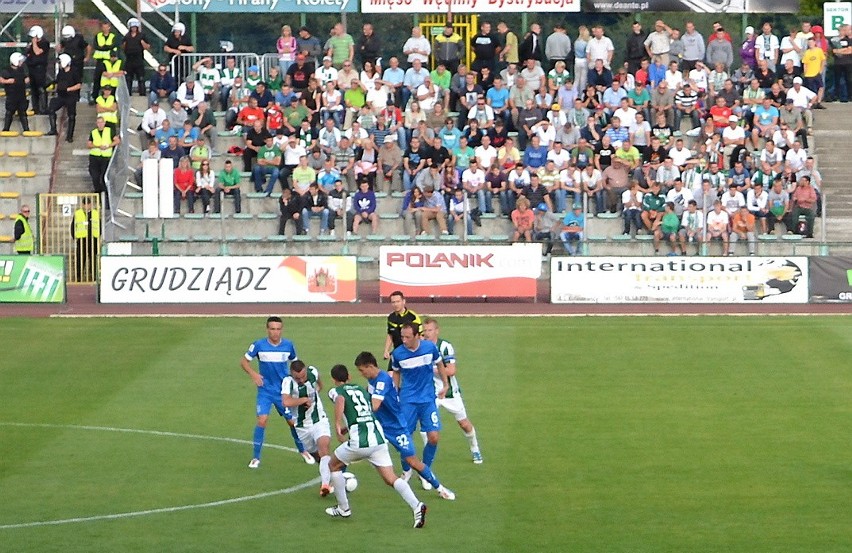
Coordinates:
<point>351,482</point>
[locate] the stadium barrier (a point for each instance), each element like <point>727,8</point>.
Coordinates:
<point>224,279</point>
<point>32,279</point>
<point>679,280</point>
<point>460,271</point>
<point>119,170</point>
<point>181,66</point>
<point>56,235</point>
<point>831,279</point>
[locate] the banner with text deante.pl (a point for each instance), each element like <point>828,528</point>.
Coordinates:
<point>695,6</point>
<point>32,279</point>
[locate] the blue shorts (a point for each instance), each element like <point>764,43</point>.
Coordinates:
<point>400,440</point>
<point>424,413</point>
<point>265,401</point>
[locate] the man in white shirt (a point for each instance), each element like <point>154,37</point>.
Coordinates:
<point>533,75</point>
<point>804,99</point>
<point>733,200</point>
<point>680,154</point>
<point>680,196</point>
<point>152,120</point>
<point>326,73</point>
<point>417,47</point>
<point>599,48</point>
<point>733,139</point>
<point>717,225</point>
<point>791,49</point>
<point>757,201</point>
<point>773,156</point>
<point>625,113</point>
<point>674,77</point>
<point>473,181</point>
<point>427,94</point>
<point>545,131</point>
<point>767,47</point>
<point>560,157</point>
<point>795,158</point>
<point>486,154</point>
<point>377,96</point>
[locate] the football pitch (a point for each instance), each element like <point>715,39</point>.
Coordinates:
<point>598,434</point>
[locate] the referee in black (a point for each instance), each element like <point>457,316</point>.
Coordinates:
<point>400,316</point>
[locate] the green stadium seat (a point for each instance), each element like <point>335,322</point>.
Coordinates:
<point>276,238</point>
<point>327,238</point>
<point>767,237</point>
<point>400,238</point>
<point>252,238</point>
<point>267,216</point>
<point>193,216</point>
<point>475,238</point>
<point>425,238</point>
<point>202,238</point>
<point>499,238</point>
<point>366,259</point>
<point>375,237</point>
<point>302,238</point>
<point>449,238</point>
<point>129,238</point>
<point>792,237</point>
<point>608,215</point>
<point>389,216</point>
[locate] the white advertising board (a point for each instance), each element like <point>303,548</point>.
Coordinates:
<point>679,280</point>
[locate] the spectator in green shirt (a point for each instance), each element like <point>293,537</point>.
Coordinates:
<point>340,46</point>
<point>228,183</point>
<point>268,161</point>
<point>355,97</point>
<point>668,230</point>
<point>303,175</point>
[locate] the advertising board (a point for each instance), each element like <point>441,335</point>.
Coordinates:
<point>32,279</point>
<point>228,279</point>
<point>460,271</point>
<point>679,280</point>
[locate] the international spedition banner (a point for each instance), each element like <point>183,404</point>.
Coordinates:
<point>228,279</point>
<point>679,280</point>
<point>32,279</point>
<point>460,271</point>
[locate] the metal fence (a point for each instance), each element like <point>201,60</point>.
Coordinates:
<point>56,234</point>
<point>119,170</point>
<point>181,66</point>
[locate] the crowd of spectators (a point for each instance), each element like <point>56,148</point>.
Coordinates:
<point>678,126</point>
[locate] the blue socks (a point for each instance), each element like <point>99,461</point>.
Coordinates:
<point>299,445</point>
<point>259,433</point>
<point>429,476</point>
<point>429,451</point>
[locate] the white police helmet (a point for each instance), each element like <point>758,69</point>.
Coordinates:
<point>36,32</point>
<point>133,22</point>
<point>17,58</point>
<point>64,60</point>
<point>179,27</point>
<point>68,31</point>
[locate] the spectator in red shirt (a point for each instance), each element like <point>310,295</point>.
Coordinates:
<point>251,113</point>
<point>720,114</point>
<point>184,181</point>
<point>804,204</point>
<point>522,219</point>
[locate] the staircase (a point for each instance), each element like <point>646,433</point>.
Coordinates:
<point>833,153</point>
<point>71,174</point>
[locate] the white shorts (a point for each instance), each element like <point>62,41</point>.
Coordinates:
<point>455,405</point>
<point>310,435</point>
<point>378,455</point>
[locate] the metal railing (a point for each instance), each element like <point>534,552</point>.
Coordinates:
<point>119,170</point>
<point>181,66</point>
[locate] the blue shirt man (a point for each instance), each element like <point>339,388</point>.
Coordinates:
<point>413,364</point>
<point>388,411</point>
<point>274,355</point>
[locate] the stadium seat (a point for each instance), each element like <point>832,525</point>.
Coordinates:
<point>425,238</point>
<point>9,134</point>
<point>449,238</point>
<point>327,238</point>
<point>400,238</point>
<point>276,238</point>
<point>499,238</point>
<point>5,174</point>
<point>202,238</point>
<point>10,195</point>
<point>792,237</point>
<point>375,237</point>
<point>7,239</point>
<point>25,174</point>
<point>33,134</point>
<point>18,153</point>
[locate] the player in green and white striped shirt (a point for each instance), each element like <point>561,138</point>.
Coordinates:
<point>353,415</point>
<point>300,394</point>
<point>452,401</point>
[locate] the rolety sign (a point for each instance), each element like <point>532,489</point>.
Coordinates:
<point>831,279</point>
<point>37,6</point>
<point>269,279</point>
<point>251,6</point>
<point>679,280</point>
<point>460,271</point>
<point>468,6</point>
<point>32,279</point>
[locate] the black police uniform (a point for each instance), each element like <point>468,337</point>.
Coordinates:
<point>76,48</point>
<point>16,97</point>
<point>65,79</point>
<point>134,60</point>
<point>37,66</point>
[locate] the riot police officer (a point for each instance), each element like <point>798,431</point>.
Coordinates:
<point>134,44</point>
<point>67,95</point>
<point>73,44</point>
<point>36,53</point>
<point>14,80</point>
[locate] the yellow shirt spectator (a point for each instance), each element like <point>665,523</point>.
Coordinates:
<point>812,61</point>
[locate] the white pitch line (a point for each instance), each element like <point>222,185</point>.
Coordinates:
<point>130,514</point>
<point>449,315</point>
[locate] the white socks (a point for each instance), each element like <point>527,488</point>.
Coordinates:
<point>339,489</point>
<point>325,473</point>
<point>404,490</point>
<point>471,439</point>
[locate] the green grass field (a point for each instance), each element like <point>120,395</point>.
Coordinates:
<point>599,434</point>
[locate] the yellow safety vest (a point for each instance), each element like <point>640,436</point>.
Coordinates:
<point>25,242</point>
<point>109,116</point>
<point>103,45</point>
<point>81,224</point>
<point>101,139</point>
<point>110,67</point>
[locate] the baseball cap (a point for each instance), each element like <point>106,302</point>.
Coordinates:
<point>253,68</point>
<point>541,207</point>
<point>733,118</point>
<point>816,29</point>
<point>749,30</point>
<point>326,58</point>
<point>389,140</point>
<point>797,80</point>
<point>556,107</point>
